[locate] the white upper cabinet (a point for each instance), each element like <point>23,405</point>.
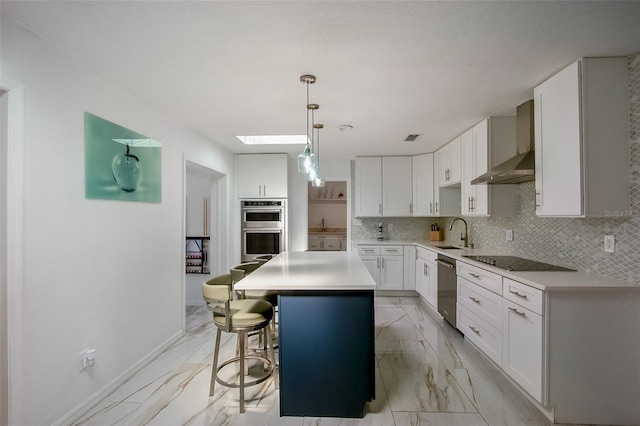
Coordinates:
<point>262,175</point>
<point>486,145</point>
<point>384,186</point>
<point>450,163</point>
<point>423,184</point>
<point>582,140</point>
<point>368,186</point>
<point>397,186</point>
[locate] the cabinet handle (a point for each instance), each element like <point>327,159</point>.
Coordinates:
<point>515,311</point>
<point>475,330</point>
<point>474,299</point>
<point>437,207</point>
<point>473,204</point>
<point>426,268</point>
<point>537,196</point>
<point>264,190</point>
<point>474,275</point>
<point>431,207</point>
<point>524,296</point>
<point>259,190</point>
<point>383,263</point>
<point>410,208</point>
<point>380,209</point>
<point>368,250</point>
<point>378,263</point>
<point>469,203</point>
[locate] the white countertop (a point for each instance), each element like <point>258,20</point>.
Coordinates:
<point>542,280</point>
<point>310,270</point>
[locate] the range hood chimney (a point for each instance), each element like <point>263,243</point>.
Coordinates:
<point>520,168</point>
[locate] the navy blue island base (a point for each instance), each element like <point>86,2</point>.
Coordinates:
<point>327,352</point>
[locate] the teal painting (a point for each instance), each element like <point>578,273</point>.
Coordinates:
<point>120,164</point>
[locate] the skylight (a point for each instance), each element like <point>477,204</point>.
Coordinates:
<point>273,139</point>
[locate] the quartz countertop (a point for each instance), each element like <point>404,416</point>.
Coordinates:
<point>328,231</point>
<point>310,270</point>
<point>542,280</point>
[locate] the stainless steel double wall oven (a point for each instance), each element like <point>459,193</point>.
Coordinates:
<point>263,227</point>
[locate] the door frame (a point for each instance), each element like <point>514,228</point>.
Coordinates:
<point>12,276</point>
<point>218,217</point>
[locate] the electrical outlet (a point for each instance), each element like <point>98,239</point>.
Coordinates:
<point>88,358</point>
<point>609,243</point>
<point>509,235</point>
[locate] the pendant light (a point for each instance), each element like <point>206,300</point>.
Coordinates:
<point>307,159</point>
<point>318,181</point>
<point>314,169</point>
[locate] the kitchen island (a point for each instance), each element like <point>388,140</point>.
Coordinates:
<point>326,331</point>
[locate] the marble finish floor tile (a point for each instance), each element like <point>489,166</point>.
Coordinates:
<point>426,374</point>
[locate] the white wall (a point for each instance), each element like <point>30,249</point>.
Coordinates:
<point>97,274</point>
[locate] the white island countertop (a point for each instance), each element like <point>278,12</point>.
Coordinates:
<point>310,270</point>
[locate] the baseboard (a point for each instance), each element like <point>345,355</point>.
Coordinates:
<point>82,409</point>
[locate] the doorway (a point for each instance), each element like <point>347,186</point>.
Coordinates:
<point>204,218</point>
<point>328,216</point>
<point>11,279</point>
<point>4,331</point>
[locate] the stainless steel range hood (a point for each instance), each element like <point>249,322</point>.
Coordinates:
<point>520,168</point>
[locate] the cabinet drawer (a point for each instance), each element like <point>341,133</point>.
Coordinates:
<point>368,250</point>
<point>392,250</point>
<point>483,335</point>
<point>486,279</point>
<point>482,302</point>
<point>331,245</point>
<point>426,254</point>
<point>524,295</point>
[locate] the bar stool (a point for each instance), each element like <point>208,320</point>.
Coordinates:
<point>240,271</point>
<point>240,317</point>
<point>263,258</point>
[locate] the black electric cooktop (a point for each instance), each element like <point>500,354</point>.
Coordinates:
<point>512,263</point>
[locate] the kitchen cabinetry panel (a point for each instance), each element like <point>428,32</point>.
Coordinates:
<point>486,279</point>
<point>384,186</point>
<point>484,146</point>
<point>423,185</point>
<point>582,140</point>
<point>368,186</point>
<point>262,175</point>
<point>397,186</point>
<point>427,276</point>
<point>450,163</point>
<point>482,334</point>
<point>409,281</point>
<point>485,304</point>
<point>522,347</point>
<point>385,263</point>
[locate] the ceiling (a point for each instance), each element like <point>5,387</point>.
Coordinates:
<point>388,68</point>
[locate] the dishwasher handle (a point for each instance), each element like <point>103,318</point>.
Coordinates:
<point>447,264</point>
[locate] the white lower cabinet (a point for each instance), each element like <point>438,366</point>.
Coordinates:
<point>483,335</point>
<point>427,276</point>
<point>386,265</point>
<point>574,351</point>
<point>522,347</point>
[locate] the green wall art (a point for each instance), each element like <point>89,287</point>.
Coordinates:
<point>120,164</point>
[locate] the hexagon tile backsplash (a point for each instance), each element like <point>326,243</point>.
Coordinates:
<point>573,243</point>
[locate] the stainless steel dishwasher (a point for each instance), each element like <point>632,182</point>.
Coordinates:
<point>447,288</point>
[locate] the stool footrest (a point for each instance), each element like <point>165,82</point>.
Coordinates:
<point>256,381</point>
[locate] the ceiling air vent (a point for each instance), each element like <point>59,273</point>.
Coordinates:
<point>411,138</point>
